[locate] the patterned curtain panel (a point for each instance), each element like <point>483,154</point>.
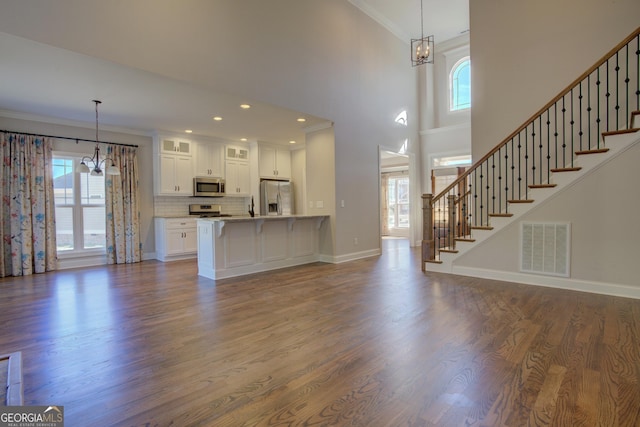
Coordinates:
<point>27,215</point>
<point>122,211</point>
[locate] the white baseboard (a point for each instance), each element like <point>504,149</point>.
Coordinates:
<point>83,261</point>
<point>350,257</point>
<point>613,289</point>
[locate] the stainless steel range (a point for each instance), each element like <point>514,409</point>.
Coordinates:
<point>207,211</point>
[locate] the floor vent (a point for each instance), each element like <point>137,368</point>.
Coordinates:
<point>545,248</point>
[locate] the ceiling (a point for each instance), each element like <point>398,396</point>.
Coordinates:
<point>138,99</point>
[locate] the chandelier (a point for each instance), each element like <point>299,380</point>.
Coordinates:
<point>422,48</point>
<point>96,169</point>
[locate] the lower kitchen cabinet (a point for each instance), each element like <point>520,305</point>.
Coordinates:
<point>176,238</point>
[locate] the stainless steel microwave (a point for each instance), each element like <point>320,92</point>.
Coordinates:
<point>208,187</point>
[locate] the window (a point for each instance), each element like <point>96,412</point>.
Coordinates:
<point>80,207</point>
<point>460,85</point>
<point>401,118</point>
<point>398,202</point>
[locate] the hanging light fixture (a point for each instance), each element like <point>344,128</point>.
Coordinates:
<point>422,49</point>
<point>96,169</point>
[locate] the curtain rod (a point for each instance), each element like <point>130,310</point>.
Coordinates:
<point>69,138</point>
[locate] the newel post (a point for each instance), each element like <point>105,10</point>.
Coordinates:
<point>428,247</point>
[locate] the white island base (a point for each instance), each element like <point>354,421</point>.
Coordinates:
<point>229,247</point>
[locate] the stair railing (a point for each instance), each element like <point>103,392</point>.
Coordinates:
<point>601,100</point>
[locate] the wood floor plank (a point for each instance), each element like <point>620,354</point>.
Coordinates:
<point>372,342</point>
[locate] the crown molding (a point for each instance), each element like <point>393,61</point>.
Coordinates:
<point>382,20</point>
<point>320,126</point>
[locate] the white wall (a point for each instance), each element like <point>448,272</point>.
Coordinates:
<point>321,185</point>
<point>525,52</point>
<point>299,179</point>
<point>325,58</point>
<point>145,164</point>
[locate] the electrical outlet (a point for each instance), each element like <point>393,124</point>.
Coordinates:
<point>355,240</point>
<point>342,203</point>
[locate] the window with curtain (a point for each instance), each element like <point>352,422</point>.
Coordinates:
<point>460,85</point>
<point>79,207</point>
<point>398,202</point>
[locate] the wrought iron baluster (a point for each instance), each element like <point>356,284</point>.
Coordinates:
<point>493,183</point>
<point>626,87</point>
<point>572,130</point>
<point>580,112</point>
<point>520,162</point>
<point>564,137</point>
<point>617,92</point>
<point>589,111</point>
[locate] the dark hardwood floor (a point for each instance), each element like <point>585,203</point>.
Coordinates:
<point>374,342</point>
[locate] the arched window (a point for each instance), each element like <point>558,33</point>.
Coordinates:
<point>460,85</point>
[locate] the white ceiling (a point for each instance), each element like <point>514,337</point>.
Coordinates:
<point>145,102</point>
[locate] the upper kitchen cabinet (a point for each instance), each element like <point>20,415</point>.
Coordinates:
<point>274,162</point>
<point>209,159</point>
<point>237,171</point>
<point>237,178</point>
<point>233,152</point>
<point>172,167</point>
<point>175,146</point>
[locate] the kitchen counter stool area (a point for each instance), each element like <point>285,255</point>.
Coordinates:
<point>229,247</point>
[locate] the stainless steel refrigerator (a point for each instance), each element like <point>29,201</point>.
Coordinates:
<point>276,197</point>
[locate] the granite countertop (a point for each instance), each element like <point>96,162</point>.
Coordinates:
<point>259,217</point>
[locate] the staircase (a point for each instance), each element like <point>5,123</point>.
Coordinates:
<point>594,120</point>
<point>617,143</point>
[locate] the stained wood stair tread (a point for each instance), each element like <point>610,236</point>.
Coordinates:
<point>434,261</point>
<point>573,169</point>
<point>521,201</point>
<point>542,185</point>
<point>449,251</point>
<point>482,227</point>
<point>620,132</point>
<point>462,239</point>
<point>594,151</point>
<point>499,215</point>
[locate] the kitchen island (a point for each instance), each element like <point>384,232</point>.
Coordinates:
<point>234,246</point>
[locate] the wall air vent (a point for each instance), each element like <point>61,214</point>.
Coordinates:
<point>545,248</point>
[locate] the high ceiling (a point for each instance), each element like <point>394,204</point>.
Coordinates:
<point>138,99</point>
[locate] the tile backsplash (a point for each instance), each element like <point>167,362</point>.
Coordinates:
<point>178,206</point>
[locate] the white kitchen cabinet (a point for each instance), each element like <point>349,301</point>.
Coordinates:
<point>174,175</point>
<point>176,238</point>
<point>175,146</point>
<point>233,152</point>
<point>274,163</point>
<point>237,178</point>
<point>208,159</point>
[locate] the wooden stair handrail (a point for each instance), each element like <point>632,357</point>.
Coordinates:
<point>538,113</point>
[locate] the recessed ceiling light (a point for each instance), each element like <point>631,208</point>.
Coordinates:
<point>292,142</point>
<point>302,119</point>
<point>245,106</point>
<point>217,118</point>
<point>188,131</point>
<point>243,139</point>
